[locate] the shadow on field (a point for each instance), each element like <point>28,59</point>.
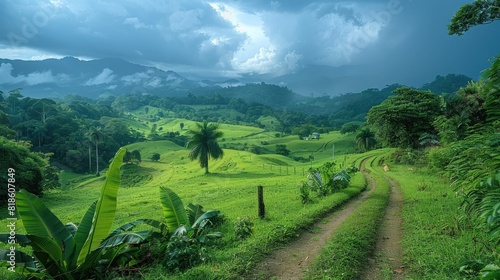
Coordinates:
<point>241,175</point>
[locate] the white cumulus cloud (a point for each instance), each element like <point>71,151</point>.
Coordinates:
<point>105,77</point>
<point>33,78</point>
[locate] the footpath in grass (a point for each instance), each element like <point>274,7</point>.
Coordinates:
<point>290,261</point>
<point>387,260</point>
<point>345,255</point>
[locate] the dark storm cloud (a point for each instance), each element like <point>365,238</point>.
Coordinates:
<point>375,42</point>
<point>177,32</point>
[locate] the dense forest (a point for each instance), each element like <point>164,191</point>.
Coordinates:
<point>66,133</point>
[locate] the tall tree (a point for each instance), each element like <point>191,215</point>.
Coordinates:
<point>470,15</point>
<point>40,131</point>
<point>401,119</point>
<point>88,138</point>
<point>203,143</point>
<point>96,136</point>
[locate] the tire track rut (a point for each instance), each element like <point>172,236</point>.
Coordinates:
<point>387,262</point>
<point>291,261</point>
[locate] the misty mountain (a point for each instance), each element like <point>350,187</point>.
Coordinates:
<point>111,76</point>
<point>69,75</point>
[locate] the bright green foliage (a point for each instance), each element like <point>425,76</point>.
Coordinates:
<point>469,128</point>
<point>132,157</point>
<point>366,139</point>
<point>470,15</point>
<point>173,209</point>
<point>105,208</point>
<point>461,111</point>
<point>282,150</point>
<point>327,179</point>
<point>155,157</point>
<point>243,227</point>
<point>32,170</point>
<point>483,202</point>
<point>401,119</point>
<point>305,193</point>
<point>70,251</point>
<point>492,102</point>
<point>203,143</point>
<point>350,127</point>
<point>179,220</point>
<point>189,230</point>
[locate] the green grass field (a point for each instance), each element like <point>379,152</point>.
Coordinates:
<point>231,187</point>
<point>434,243</point>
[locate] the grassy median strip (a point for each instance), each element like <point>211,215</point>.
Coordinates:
<point>346,254</point>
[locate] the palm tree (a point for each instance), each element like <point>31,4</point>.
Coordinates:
<point>40,131</point>
<point>96,136</point>
<point>366,139</point>
<point>203,143</point>
<point>88,141</point>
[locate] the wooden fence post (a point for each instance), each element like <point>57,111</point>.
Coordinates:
<point>260,198</point>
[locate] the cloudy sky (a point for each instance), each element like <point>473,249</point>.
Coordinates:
<point>351,44</point>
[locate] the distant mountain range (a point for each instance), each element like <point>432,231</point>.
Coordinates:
<point>59,77</point>
<point>93,78</point>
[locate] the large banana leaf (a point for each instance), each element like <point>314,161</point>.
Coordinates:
<point>173,209</point>
<point>123,234</point>
<point>105,207</point>
<point>162,227</point>
<point>20,238</point>
<point>207,215</point>
<point>194,211</point>
<point>50,247</point>
<point>126,227</point>
<point>22,259</point>
<point>127,237</point>
<point>82,232</point>
<point>72,228</point>
<point>39,221</point>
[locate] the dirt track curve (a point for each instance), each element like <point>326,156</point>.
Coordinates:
<point>291,261</point>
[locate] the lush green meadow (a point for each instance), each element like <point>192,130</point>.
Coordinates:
<point>436,243</point>
<point>231,187</point>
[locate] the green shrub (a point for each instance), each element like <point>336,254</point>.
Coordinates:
<point>183,252</point>
<point>155,157</point>
<point>305,192</point>
<point>439,158</point>
<point>243,227</point>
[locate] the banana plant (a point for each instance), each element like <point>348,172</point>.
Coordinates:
<point>188,229</point>
<point>192,222</point>
<point>70,251</point>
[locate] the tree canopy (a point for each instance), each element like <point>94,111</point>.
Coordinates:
<point>32,170</point>
<point>401,119</point>
<point>204,144</point>
<point>470,15</point>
